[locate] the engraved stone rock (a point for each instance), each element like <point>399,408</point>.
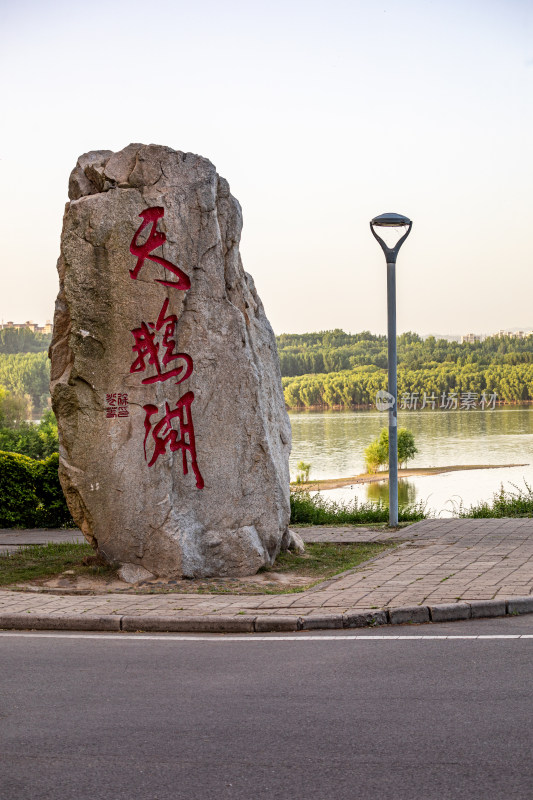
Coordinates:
<point>174,438</point>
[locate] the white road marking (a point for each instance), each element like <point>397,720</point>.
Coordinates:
<point>253,637</point>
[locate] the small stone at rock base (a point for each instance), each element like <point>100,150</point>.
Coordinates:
<point>132,573</point>
<point>293,541</point>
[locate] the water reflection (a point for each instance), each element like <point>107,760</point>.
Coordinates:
<point>380,492</point>
<point>333,442</point>
<point>443,495</point>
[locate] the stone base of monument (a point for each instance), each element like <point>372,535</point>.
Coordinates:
<point>165,380</point>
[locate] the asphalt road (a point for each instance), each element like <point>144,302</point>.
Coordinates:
<point>331,715</point>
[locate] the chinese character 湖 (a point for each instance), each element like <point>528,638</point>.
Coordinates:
<point>164,434</point>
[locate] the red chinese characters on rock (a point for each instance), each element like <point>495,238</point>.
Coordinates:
<point>155,239</point>
<point>162,356</point>
<point>146,347</point>
<point>164,434</point>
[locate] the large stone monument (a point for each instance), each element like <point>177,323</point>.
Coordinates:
<point>174,438</point>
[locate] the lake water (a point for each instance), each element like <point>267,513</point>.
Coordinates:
<point>333,442</point>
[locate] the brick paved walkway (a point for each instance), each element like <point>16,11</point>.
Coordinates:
<point>438,561</point>
<point>11,539</point>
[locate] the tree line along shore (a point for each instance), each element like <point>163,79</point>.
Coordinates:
<point>333,369</point>
<point>327,369</point>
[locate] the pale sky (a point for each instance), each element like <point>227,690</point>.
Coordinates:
<point>320,115</point>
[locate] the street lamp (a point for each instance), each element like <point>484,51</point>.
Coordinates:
<point>392,221</point>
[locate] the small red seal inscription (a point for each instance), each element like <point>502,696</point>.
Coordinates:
<point>163,433</point>
<point>155,239</point>
<point>117,405</point>
<point>111,406</point>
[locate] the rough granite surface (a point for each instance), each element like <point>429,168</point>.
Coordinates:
<point>157,517</point>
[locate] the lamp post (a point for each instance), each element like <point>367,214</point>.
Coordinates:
<point>392,221</point>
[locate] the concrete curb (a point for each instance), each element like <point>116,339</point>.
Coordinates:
<point>189,624</point>
<point>266,623</point>
<point>60,622</point>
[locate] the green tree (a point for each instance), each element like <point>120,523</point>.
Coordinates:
<point>27,374</point>
<point>302,476</point>
<point>23,340</point>
<point>406,446</point>
<point>14,409</point>
<point>377,452</point>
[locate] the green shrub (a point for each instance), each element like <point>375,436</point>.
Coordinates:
<point>52,510</point>
<point>18,498</point>
<point>317,510</point>
<point>30,493</point>
<point>504,504</point>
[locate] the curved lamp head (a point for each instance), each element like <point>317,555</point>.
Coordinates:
<point>391,220</point>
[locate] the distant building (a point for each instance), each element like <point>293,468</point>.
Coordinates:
<point>470,338</point>
<point>29,325</point>
<point>513,334</point>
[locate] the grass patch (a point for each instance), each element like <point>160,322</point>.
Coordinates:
<point>505,503</point>
<point>47,560</point>
<point>317,510</point>
<point>325,559</point>
<point>321,560</point>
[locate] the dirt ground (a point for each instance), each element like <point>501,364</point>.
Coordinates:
<point>263,583</point>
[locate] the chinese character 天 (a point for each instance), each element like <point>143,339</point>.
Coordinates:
<point>155,239</point>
